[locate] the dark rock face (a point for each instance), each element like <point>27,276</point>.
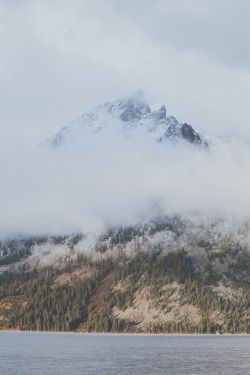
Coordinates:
<point>189,134</point>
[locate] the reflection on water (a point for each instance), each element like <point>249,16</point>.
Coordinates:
<point>32,353</point>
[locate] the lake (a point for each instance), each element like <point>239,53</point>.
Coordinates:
<point>37,353</point>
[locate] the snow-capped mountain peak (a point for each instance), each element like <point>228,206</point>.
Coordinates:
<point>129,109</point>
<point>129,114</point>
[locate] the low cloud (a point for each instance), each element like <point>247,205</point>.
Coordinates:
<point>110,178</point>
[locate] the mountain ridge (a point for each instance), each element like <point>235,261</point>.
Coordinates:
<point>129,113</point>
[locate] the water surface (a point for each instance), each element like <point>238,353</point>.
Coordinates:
<point>33,353</point>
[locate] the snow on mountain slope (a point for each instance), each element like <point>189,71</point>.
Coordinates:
<point>129,114</point>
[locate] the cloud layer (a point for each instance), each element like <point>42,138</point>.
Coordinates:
<point>111,179</point>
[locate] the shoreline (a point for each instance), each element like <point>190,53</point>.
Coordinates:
<point>127,333</point>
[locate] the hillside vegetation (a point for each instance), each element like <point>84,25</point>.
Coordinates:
<point>164,277</point>
<point>133,282</point>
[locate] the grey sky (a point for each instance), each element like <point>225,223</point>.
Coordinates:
<point>59,58</point>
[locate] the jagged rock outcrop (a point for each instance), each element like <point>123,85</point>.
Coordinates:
<point>129,114</point>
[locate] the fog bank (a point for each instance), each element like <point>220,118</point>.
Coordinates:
<point>114,179</point>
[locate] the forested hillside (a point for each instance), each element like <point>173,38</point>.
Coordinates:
<point>152,287</point>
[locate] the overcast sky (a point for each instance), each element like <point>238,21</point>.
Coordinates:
<point>61,57</point>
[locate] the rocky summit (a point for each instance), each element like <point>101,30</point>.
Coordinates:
<point>129,114</point>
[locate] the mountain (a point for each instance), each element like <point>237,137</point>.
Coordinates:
<point>129,114</point>
<point>170,275</point>
<point>186,273</point>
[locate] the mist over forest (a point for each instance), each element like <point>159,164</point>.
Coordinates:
<point>114,179</point>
